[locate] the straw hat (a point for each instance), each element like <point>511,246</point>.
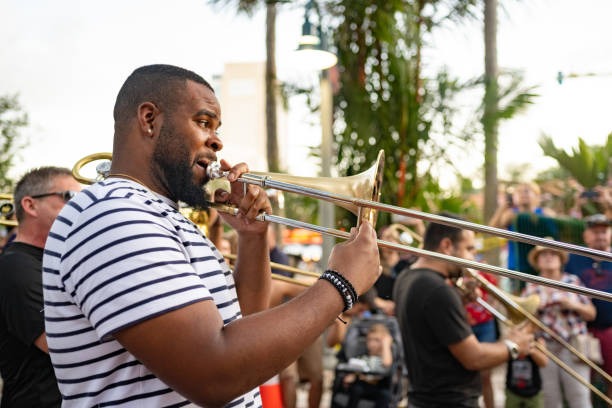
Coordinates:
<point>532,257</point>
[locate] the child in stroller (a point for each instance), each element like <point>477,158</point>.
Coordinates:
<point>370,366</point>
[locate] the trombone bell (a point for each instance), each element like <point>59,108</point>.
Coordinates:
<point>530,304</point>
<point>102,168</point>
<point>7,209</point>
<point>365,185</point>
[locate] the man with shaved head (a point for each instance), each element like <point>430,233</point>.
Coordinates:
<point>141,308</point>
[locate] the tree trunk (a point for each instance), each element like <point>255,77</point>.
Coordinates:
<point>271,105</point>
<point>271,90</point>
<point>489,120</point>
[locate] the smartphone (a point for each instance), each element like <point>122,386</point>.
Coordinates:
<point>589,194</point>
<point>509,200</point>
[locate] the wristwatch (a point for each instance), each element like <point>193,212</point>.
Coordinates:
<point>513,349</point>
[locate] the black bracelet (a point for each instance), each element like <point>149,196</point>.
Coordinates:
<point>346,283</point>
<point>344,287</point>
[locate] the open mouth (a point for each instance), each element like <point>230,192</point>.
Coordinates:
<point>203,164</point>
<point>201,167</point>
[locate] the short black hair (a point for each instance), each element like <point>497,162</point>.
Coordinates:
<point>157,83</point>
<point>436,232</point>
<point>36,181</point>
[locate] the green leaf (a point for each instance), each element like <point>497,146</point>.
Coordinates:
<point>589,165</point>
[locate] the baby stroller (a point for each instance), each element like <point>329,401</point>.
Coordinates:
<point>354,345</point>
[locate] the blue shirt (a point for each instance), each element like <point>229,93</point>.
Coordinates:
<point>595,275</point>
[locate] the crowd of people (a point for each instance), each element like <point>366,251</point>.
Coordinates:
<point>109,295</point>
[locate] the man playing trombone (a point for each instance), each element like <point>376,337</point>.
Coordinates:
<point>442,354</point>
<point>141,308</point>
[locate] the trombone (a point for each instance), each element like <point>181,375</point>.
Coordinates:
<point>7,210</point>
<point>360,194</point>
<point>516,309</point>
<point>288,268</point>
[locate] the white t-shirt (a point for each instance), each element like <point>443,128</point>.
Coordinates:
<point>117,255</point>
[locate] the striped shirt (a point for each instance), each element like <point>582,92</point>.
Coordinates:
<point>117,255</point>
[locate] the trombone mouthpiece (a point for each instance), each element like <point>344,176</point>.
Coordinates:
<point>213,170</point>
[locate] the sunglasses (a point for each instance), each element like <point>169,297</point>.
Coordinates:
<point>65,195</point>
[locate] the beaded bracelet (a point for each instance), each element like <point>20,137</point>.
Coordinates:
<point>347,283</point>
<point>344,287</point>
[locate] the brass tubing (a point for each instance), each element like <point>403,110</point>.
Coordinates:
<point>291,280</point>
<point>422,252</point>
<point>266,181</point>
<point>283,267</point>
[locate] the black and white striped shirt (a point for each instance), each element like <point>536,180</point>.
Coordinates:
<point>117,255</point>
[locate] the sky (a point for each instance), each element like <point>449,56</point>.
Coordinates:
<point>68,58</point>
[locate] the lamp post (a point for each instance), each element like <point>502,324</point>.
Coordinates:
<point>313,48</point>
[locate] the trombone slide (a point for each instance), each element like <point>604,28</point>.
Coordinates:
<point>502,318</point>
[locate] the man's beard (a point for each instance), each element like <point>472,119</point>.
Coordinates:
<point>171,163</point>
<point>456,271</point>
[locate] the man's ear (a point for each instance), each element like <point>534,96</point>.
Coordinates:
<point>148,118</point>
<point>28,204</point>
<point>446,246</point>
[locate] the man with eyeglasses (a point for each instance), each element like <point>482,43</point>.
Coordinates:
<point>597,275</point>
<point>25,366</point>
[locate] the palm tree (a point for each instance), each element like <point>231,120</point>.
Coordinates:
<point>589,165</point>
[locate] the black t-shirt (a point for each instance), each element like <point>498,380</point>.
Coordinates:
<point>385,283</point>
<point>384,286</point>
<point>432,317</point>
<point>29,380</point>
<point>523,377</point>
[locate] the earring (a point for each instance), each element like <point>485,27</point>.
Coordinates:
<point>150,130</point>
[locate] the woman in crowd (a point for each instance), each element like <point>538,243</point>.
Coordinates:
<point>566,313</point>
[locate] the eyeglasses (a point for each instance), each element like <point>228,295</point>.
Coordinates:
<point>65,195</point>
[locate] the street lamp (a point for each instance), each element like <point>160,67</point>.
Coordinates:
<point>312,47</point>
<point>312,51</point>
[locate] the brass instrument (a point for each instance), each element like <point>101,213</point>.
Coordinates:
<point>523,309</point>
<point>287,268</point>
<point>7,210</point>
<point>198,217</point>
<point>359,194</point>
<point>407,235</point>
<point>102,169</point>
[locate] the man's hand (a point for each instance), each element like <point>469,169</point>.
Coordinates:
<point>523,336</point>
<point>358,258</point>
<point>250,200</point>
<point>469,289</point>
